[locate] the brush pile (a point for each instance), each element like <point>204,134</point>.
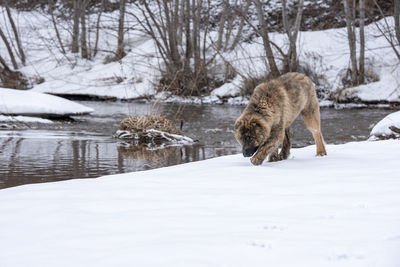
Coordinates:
<point>151,130</point>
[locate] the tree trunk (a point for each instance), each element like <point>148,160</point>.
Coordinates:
<point>9,49</point>
<point>196,34</point>
<point>292,33</point>
<point>229,26</point>
<point>241,25</point>
<point>181,21</point>
<point>221,28</point>
<point>75,30</point>
<point>84,49</point>
<point>53,20</point>
<point>96,43</point>
<point>361,77</point>
<point>352,42</point>
<point>3,62</point>
<point>295,33</point>
<point>267,45</point>
<point>120,47</point>
<point>171,33</point>
<point>189,47</point>
<point>397,20</point>
<point>16,35</point>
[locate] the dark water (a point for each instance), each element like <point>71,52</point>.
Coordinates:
<point>85,148</point>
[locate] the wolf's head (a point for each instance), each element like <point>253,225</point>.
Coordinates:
<point>251,132</point>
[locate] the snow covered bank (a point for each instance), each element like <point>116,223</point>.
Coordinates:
<point>138,73</point>
<point>339,210</point>
<point>23,119</point>
<point>30,103</point>
<point>388,127</point>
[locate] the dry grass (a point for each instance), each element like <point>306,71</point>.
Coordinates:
<point>142,123</point>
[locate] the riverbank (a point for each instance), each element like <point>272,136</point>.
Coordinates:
<point>339,210</point>
<point>138,74</point>
<point>37,152</point>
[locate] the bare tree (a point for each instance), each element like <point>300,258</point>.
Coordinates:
<point>196,7</point>
<point>9,49</point>
<point>181,42</point>
<point>53,20</point>
<point>266,41</point>
<point>349,11</point>
<point>242,13</point>
<point>16,35</point>
<point>224,16</point>
<point>95,50</point>
<point>361,59</point>
<point>397,19</point>
<point>120,45</point>
<point>292,33</point>
<point>387,31</point>
<point>231,13</point>
<point>75,30</point>
<point>84,47</point>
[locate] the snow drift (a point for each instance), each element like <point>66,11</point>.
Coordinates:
<point>28,103</point>
<point>388,127</point>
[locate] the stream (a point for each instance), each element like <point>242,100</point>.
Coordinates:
<point>86,148</point>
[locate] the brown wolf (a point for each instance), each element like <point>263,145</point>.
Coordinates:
<point>274,105</point>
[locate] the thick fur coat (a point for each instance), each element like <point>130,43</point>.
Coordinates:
<point>264,124</point>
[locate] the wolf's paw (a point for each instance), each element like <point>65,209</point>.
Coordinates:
<point>274,157</point>
<point>321,153</point>
<point>255,161</point>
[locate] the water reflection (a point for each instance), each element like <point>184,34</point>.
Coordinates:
<point>143,157</point>
<point>86,148</point>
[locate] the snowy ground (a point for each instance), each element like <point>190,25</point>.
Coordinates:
<point>28,103</point>
<point>326,52</point>
<point>339,210</point>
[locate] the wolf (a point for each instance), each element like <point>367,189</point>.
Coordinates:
<point>274,105</point>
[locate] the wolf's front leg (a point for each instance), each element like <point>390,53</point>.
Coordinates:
<point>271,145</point>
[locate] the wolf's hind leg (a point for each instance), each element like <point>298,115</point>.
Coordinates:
<point>311,118</point>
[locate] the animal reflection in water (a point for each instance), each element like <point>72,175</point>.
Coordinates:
<point>146,153</point>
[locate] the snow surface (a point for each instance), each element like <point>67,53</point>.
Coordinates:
<point>17,102</point>
<point>339,210</point>
<point>382,127</point>
<point>230,89</point>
